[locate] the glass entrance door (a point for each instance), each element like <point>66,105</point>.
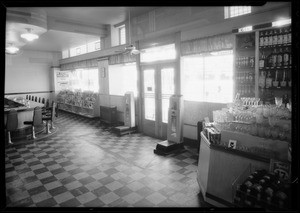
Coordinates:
<point>158,86</point>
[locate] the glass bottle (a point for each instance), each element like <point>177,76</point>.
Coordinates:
<point>286,57</point>
<point>275,82</point>
<point>261,38</point>
<point>273,57</point>
<point>251,62</point>
<point>279,37</point>
<point>266,39</point>
<point>269,80</point>
<point>289,37</point>
<point>285,36</point>
<point>270,40</point>
<point>283,82</point>
<point>262,80</point>
<point>275,37</point>
<point>279,58</point>
<point>262,60</point>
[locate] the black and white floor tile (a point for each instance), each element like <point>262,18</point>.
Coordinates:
<point>85,165</point>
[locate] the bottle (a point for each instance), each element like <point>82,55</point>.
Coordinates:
<point>262,60</point>
<point>290,79</point>
<point>270,38</point>
<point>283,82</point>
<point>285,36</point>
<point>279,58</point>
<point>286,56</point>
<point>289,36</point>
<point>246,61</point>
<point>275,37</point>
<point>275,82</point>
<point>270,59</point>
<point>261,39</point>
<point>266,39</point>
<point>250,77</point>
<point>274,59</point>
<point>279,37</point>
<point>269,80</point>
<point>262,80</point>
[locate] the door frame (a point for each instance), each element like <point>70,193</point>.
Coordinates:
<point>159,128</point>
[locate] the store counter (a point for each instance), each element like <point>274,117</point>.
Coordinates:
<point>25,113</point>
<point>219,166</point>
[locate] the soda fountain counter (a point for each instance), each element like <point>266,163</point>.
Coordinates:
<point>242,135</point>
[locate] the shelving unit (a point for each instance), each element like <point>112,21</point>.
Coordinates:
<point>245,64</point>
<point>275,64</point>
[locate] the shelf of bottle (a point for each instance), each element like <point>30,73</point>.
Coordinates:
<point>275,46</point>
<point>245,67</point>
<point>287,88</point>
<point>274,68</point>
<point>245,49</point>
<point>244,83</point>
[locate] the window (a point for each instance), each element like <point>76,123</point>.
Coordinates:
<point>93,46</point>
<point>122,34</point>
<point>122,78</point>
<point>234,11</point>
<point>208,78</point>
<point>65,53</point>
<point>85,80</point>
<point>166,52</point>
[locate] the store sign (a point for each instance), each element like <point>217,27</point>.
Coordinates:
<point>245,29</point>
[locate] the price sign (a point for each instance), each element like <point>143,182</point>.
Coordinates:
<point>232,144</point>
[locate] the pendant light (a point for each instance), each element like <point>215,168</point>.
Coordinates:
<point>29,36</point>
<point>11,49</point>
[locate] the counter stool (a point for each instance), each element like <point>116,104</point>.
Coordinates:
<point>39,99</point>
<point>11,123</point>
<point>36,120</point>
<point>48,115</point>
<point>29,97</point>
<point>35,99</point>
<point>26,97</point>
<point>43,101</point>
<point>47,103</point>
<point>32,98</point>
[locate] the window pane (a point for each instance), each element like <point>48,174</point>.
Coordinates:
<point>150,108</point>
<point>85,80</point>
<point>160,53</point>
<point>149,86</point>
<point>209,78</point>
<point>65,54</point>
<point>122,33</point>
<point>122,78</point>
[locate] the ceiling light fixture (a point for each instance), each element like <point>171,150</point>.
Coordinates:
<point>29,36</point>
<point>11,49</point>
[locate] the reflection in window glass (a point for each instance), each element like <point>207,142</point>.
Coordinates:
<point>209,78</point>
<point>85,80</point>
<point>122,79</point>
<point>150,108</point>
<point>166,52</point>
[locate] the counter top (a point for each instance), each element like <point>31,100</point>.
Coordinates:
<point>11,104</point>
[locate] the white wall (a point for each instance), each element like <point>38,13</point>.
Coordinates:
<point>29,71</point>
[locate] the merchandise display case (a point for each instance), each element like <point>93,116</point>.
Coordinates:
<point>78,102</point>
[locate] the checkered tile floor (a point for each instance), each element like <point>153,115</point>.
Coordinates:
<point>84,165</point>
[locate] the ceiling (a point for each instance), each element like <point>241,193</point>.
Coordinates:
<point>57,37</point>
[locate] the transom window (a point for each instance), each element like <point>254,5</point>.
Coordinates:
<point>122,34</point>
<point>234,11</point>
<point>166,52</point>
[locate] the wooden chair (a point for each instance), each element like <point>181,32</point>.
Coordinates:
<point>11,123</point>
<point>48,116</point>
<point>39,99</point>
<point>36,120</point>
<point>43,101</point>
<point>29,97</point>
<point>47,103</point>
<point>35,99</point>
<point>32,98</point>
<point>26,97</point>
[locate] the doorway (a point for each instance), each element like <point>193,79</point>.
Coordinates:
<point>158,85</point>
